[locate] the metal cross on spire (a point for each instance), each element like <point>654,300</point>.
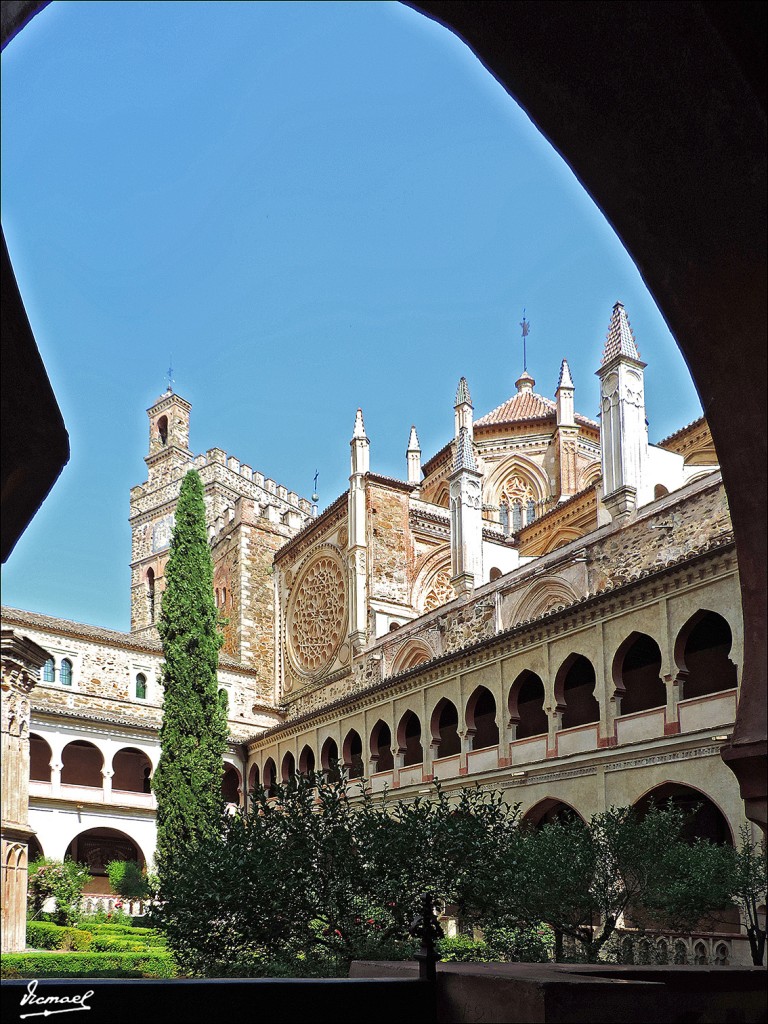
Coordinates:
<point>314,493</point>
<point>525,326</point>
<point>169,375</point>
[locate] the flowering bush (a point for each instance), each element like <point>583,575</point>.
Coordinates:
<point>62,881</point>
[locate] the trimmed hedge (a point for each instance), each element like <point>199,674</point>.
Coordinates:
<point>154,964</point>
<point>43,935</point>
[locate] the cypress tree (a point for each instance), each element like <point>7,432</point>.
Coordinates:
<point>187,782</point>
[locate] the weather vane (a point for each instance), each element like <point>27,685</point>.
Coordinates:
<point>169,375</point>
<point>314,493</point>
<point>525,328</point>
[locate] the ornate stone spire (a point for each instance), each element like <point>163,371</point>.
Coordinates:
<point>413,458</point>
<point>565,381</point>
<point>620,340</point>
<point>465,455</point>
<point>359,430</point>
<point>462,408</point>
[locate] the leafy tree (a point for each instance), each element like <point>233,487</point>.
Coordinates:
<point>187,781</point>
<point>127,879</point>
<point>63,881</point>
<point>747,872</point>
<point>322,874</point>
<point>582,879</point>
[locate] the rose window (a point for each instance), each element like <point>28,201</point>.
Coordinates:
<point>317,623</point>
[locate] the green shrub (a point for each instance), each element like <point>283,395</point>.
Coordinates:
<point>44,935</point>
<point>154,964</point>
<point>127,879</point>
<point>463,949</point>
<point>62,881</point>
<point>532,945</point>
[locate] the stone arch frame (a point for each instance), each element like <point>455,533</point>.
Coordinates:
<point>470,707</point>
<point>401,737</point>
<point>561,537</point>
<point>694,789</point>
<point>561,705</point>
<point>435,736</point>
<point>513,712</point>
<point>147,763</point>
<point>413,652</point>
<point>435,563</point>
<point>617,669</point>
<point>329,761</point>
<point>230,768</point>
<point>120,832</point>
<point>374,746</point>
<point>287,767</point>
<point>33,760</point>
<point>354,770</point>
<point>82,741</point>
<point>543,597</point>
<point>269,776</point>
<point>589,476</point>
<point>681,641</point>
<point>307,762</point>
<point>515,465</point>
<point>535,814</point>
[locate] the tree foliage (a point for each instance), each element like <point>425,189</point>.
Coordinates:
<point>747,868</point>
<point>128,880</point>
<point>321,873</point>
<point>187,782</point>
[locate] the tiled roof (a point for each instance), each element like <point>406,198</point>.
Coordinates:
<point>525,405</point>
<point>678,434</point>
<point>620,340</point>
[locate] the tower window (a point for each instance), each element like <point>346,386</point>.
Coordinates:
<point>49,671</point>
<point>151,594</point>
<point>141,686</point>
<point>65,672</point>
<point>162,430</point>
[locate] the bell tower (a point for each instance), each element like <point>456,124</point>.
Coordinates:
<point>168,436</point>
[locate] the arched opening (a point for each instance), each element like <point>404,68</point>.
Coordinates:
<point>526,706</point>
<point>230,785</point>
<point>409,739</point>
<point>705,820</point>
<point>39,759</point>
<point>445,728</point>
<point>270,777</point>
<point>224,700</point>
<point>49,671</point>
<point>254,782</point>
<point>381,747</point>
<point>701,652</point>
<point>288,768</point>
<point>141,686</point>
<point>97,847</point>
<point>132,771</point>
<point>352,750</point>
<point>329,760</point>
<point>481,719</point>
<point>660,491</point>
<point>82,765</point>
<point>549,811</point>
<point>495,574</point>
<point>636,674</point>
<point>34,849</point>
<point>162,430</point>
<point>575,692</point>
<point>307,761</point>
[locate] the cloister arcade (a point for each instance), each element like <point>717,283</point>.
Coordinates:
<point>587,700</point>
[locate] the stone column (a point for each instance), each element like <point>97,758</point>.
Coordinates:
<point>21,663</point>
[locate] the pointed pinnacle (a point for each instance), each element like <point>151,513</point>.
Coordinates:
<point>620,340</point>
<point>462,393</point>
<point>565,381</point>
<point>413,441</point>
<point>359,430</point>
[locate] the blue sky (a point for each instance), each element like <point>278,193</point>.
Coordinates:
<point>309,207</point>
